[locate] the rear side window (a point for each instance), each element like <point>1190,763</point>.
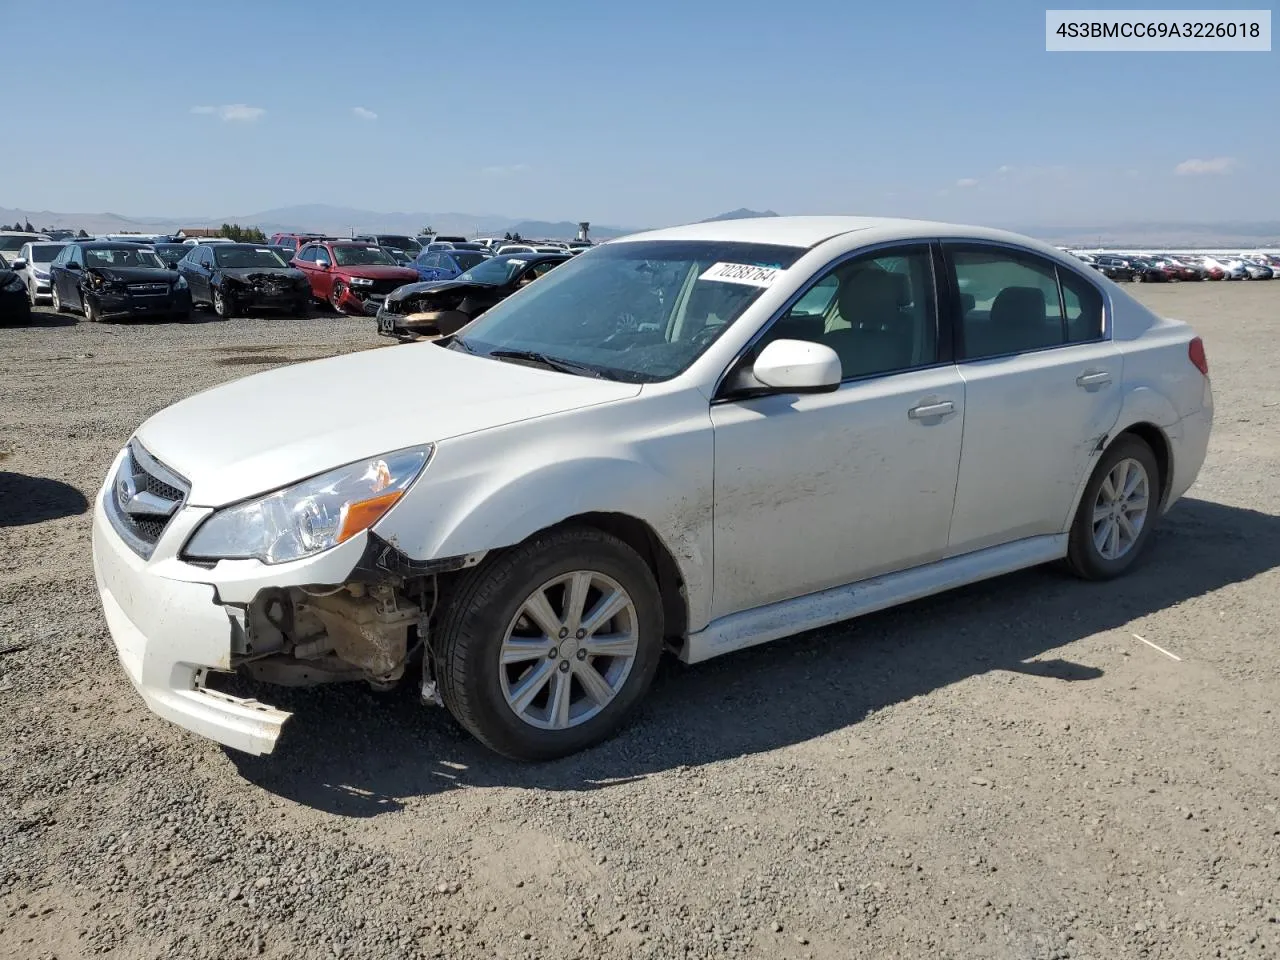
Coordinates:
<point>1013,302</point>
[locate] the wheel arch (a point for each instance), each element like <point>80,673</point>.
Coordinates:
<point>645,541</point>
<point>1158,441</point>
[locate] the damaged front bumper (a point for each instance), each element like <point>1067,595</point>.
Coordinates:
<point>172,626</point>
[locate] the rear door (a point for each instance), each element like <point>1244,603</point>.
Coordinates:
<point>1042,389</point>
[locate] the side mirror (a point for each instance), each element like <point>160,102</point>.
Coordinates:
<point>798,366</point>
<point>72,265</point>
<point>18,264</point>
<point>322,264</point>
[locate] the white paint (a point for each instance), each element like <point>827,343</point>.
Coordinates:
<point>781,513</point>
<point>745,273</point>
<point>1171,656</point>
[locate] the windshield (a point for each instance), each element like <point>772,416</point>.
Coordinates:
<point>640,311</point>
<point>352,256</point>
<point>407,244</point>
<point>45,252</point>
<point>12,244</point>
<point>121,257</point>
<point>495,271</point>
<point>246,257</point>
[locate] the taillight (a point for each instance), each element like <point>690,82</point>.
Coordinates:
<point>1195,353</point>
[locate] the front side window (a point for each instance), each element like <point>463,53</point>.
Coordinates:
<point>1012,302</point>
<point>878,313</point>
<point>640,311</point>
<point>350,255</point>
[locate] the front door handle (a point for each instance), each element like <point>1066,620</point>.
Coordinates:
<point>927,411</point>
<point>1093,378</point>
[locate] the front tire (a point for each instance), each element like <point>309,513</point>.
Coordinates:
<point>1117,511</point>
<point>86,306</point>
<point>336,294</point>
<point>224,304</point>
<point>547,648</point>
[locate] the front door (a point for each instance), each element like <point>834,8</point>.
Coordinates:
<point>1042,385</point>
<point>818,490</point>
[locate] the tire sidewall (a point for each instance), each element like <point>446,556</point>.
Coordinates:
<point>1084,554</point>
<point>86,305</point>
<point>487,623</point>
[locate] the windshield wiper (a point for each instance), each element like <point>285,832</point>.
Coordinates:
<point>456,341</point>
<point>551,363</point>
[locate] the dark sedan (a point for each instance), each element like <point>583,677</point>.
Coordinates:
<point>1151,271</point>
<point>14,305</point>
<point>109,280</point>
<point>1114,268</point>
<point>442,308</point>
<point>234,277</point>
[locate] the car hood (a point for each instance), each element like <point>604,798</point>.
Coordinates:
<point>436,286</point>
<point>374,272</point>
<point>251,274</point>
<point>135,274</point>
<point>272,429</point>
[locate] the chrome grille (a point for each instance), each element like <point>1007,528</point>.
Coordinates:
<point>149,289</point>
<point>144,496</point>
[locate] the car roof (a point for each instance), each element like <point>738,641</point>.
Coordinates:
<point>107,244</point>
<point>805,232</point>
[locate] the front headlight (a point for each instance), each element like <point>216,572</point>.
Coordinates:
<point>181,284</point>
<point>40,274</point>
<point>14,285</point>
<point>361,282</point>
<point>312,516</point>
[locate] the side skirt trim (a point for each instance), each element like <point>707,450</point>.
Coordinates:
<point>786,617</point>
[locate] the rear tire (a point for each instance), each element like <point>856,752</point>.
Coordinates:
<point>486,620</point>
<point>1117,511</point>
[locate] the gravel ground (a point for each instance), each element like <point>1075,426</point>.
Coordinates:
<point>1001,772</point>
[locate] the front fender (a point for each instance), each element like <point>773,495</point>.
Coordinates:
<point>472,511</point>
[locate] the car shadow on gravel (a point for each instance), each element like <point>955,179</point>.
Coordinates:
<point>40,319</point>
<point>25,500</point>
<point>354,753</point>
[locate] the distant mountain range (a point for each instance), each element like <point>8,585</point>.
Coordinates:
<point>342,221</point>
<point>319,217</point>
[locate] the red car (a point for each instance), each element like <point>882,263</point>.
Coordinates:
<point>352,276</point>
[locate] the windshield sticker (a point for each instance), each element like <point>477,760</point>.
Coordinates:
<point>746,273</point>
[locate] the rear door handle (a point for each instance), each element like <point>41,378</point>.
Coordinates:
<point>927,411</point>
<point>1093,378</point>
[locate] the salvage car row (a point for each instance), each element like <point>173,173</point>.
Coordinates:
<point>123,278</point>
<point>1169,267</point>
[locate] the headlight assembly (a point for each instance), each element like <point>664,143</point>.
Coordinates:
<point>14,284</point>
<point>181,283</point>
<point>361,282</point>
<point>312,516</point>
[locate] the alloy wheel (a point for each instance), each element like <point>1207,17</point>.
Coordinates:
<point>1120,510</point>
<point>569,650</point>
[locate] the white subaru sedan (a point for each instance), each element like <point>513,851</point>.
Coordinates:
<point>690,440</point>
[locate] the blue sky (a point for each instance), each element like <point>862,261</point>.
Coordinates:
<point>633,114</point>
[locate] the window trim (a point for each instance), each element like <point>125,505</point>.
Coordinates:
<point>944,353</point>
<point>947,244</point>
